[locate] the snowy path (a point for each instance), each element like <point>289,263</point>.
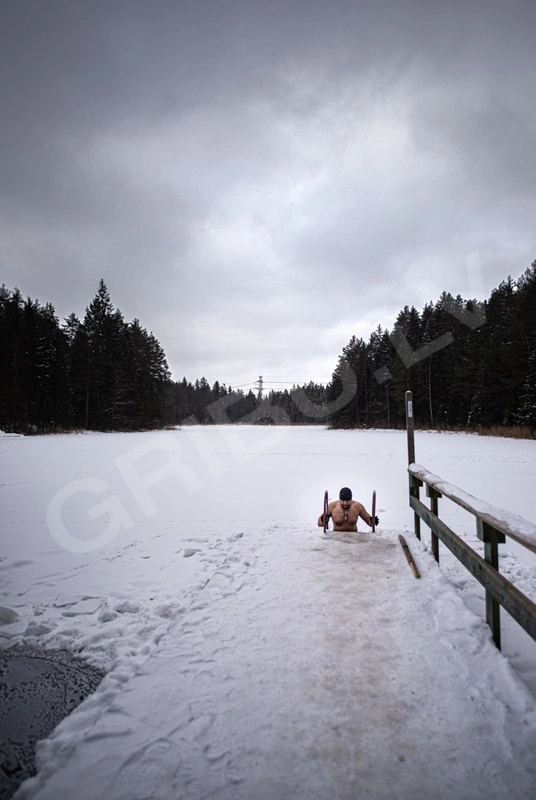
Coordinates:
<point>307,667</point>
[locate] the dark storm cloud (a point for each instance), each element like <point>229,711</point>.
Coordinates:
<point>223,164</point>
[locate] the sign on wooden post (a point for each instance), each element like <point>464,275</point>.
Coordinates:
<point>410,427</point>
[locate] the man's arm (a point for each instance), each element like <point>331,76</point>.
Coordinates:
<point>363,513</point>
<point>321,517</point>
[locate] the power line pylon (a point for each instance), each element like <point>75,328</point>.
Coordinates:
<point>259,390</point>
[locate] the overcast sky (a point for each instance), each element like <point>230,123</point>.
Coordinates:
<point>259,181</point>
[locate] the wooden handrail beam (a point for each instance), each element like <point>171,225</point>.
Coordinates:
<point>512,525</point>
<point>520,607</point>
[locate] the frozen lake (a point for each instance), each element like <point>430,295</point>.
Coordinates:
<point>114,544</point>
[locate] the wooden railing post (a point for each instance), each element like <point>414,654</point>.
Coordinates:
<point>492,538</point>
<point>434,496</point>
<point>414,486</point>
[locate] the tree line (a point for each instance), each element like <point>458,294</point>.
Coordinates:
<point>200,403</point>
<point>104,373</point>
<point>99,373</point>
<point>468,363</point>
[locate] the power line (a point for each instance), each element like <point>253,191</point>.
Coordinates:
<point>269,383</point>
<point>296,381</point>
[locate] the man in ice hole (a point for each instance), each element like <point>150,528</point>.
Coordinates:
<point>345,513</point>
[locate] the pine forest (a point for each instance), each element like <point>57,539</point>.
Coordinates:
<point>470,364</point>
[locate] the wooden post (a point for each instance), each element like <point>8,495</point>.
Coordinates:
<point>492,538</point>
<point>414,483</point>
<point>434,496</point>
<point>414,486</point>
<point>410,427</point>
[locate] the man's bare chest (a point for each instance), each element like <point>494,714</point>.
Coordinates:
<point>343,516</point>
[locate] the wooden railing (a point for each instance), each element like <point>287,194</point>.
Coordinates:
<point>493,525</point>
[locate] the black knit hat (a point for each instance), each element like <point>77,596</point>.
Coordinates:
<point>345,493</point>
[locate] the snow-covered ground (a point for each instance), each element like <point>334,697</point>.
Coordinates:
<point>248,655</point>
